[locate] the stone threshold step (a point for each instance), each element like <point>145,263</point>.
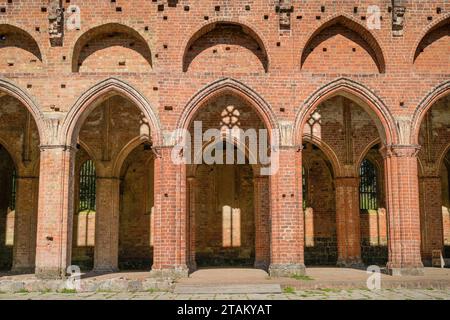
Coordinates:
<point>227,288</point>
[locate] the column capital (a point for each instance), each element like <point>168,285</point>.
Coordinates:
<point>402,151</point>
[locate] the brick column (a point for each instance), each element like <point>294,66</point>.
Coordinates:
<point>169,257</point>
<point>287,238</point>
<point>55,211</point>
<point>431,213</point>
<point>106,254</point>
<point>191,184</point>
<point>348,225</point>
<point>25,224</point>
<point>262,225</point>
<point>402,191</point>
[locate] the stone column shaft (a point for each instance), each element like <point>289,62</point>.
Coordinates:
<point>262,225</point>
<point>287,225</point>
<point>402,191</point>
<point>55,211</point>
<point>106,254</point>
<point>348,224</point>
<point>169,258</point>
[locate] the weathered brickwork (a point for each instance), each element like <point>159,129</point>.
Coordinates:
<point>333,84</point>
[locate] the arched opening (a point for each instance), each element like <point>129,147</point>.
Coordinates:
<point>337,43</point>
<point>83,242</point>
<point>19,52</point>
<point>19,181</point>
<point>228,206</point>
<point>111,48</point>
<point>229,46</point>
<point>115,186</point>
<point>344,201</point>
<point>372,206</point>
<point>319,206</point>
<point>8,190</point>
<point>434,138</point>
<point>136,210</point>
<point>431,54</point>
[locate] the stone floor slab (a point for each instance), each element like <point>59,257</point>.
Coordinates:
<point>227,289</point>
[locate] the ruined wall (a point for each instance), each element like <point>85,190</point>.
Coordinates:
<point>170,51</point>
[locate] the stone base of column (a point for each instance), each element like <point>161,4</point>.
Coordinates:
<point>416,271</point>
<point>50,274</point>
<point>105,270</point>
<point>286,270</point>
<point>172,273</point>
<point>263,265</point>
<point>351,263</point>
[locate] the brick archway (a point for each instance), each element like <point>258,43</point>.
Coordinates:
<point>429,29</point>
<point>26,166</point>
<point>427,102</point>
<point>261,107</point>
<point>92,97</point>
<point>14,29</point>
<point>379,112</point>
<point>15,91</point>
<point>208,26</point>
<point>347,177</point>
<point>328,152</point>
<point>352,24</point>
<point>103,29</point>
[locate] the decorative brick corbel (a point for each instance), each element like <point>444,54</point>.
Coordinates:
<point>284,8</point>
<point>56,23</point>
<point>398,17</point>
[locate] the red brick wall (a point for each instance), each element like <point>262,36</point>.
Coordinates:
<point>219,187</point>
<point>267,62</point>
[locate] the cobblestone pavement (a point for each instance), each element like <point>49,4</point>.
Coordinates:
<point>325,294</point>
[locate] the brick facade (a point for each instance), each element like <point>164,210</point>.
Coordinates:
<point>331,87</point>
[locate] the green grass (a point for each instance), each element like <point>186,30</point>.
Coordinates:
<point>46,290</point>
<point>23,290</point>
<point>68,291</point>
<point>330,290</point>
<point>289,290</point>
<point>301,277</point>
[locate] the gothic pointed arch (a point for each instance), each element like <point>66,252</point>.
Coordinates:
<point>351,29</point>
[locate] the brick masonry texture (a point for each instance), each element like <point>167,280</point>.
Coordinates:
<point>113,90</point>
